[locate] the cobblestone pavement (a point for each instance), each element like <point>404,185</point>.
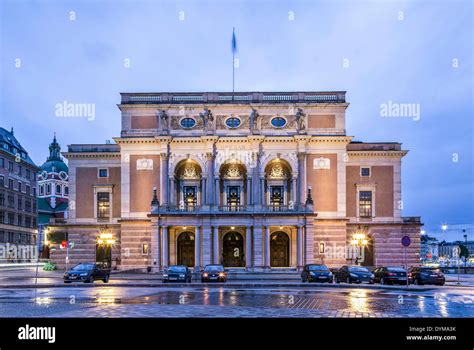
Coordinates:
<point>228,302</point>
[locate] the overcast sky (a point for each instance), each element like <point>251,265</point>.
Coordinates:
<point>417,52</point>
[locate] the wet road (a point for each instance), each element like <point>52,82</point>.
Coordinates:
<point>231,302</point>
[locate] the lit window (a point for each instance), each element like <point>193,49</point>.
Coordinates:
<point>232,122</point>
<point>103,205</point>
<point>365,204</point>
<point>278,122</point>
<point>187,123</point>
<point>145,249</point>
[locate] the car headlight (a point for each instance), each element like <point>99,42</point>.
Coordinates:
<point>311,273</point>
<point>181,275</point>
<point>221,274</point>
<point>84,274</point>
<point>353,275</point>
<point>205,274</point>
<point>165,275</point>
<point>330,274</point>
<point>372,275</point>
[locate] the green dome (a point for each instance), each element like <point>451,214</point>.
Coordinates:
<point>54,163</point>
<point>58,166</point>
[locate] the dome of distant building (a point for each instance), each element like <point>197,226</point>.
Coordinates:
<point>54,163</point>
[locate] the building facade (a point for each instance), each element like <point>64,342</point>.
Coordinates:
<point>255,181</point>
<point>429,249</point>
<point>53,193</point>
<point>18,209</point>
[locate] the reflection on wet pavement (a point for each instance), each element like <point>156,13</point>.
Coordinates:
<point>213,302</point>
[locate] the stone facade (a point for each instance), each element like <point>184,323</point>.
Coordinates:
<point>254,181</point>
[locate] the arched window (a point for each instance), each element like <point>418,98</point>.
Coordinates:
<point>58,189</point>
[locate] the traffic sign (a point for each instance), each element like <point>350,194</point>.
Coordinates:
<point>406,241</point>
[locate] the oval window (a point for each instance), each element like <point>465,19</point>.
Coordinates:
<point>278,122</point>
<point>187,122</point>
<point>232,122</point>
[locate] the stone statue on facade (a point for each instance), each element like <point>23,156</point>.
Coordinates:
<point>164,121</point>
<point>299,116</point>
<point>207,119</point>
<point>253,120</point>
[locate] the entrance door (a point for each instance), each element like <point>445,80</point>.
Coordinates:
<point>276,195</point>
<point>186,249</point>
<point>279,250</point>
<point>103,255</point>
<point>233,250</point>
<point>368,257</point>
<point>233,197</point>
<point>190,196</point>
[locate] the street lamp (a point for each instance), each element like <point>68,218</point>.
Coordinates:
<point>359,240</point>
<point>444,227</point>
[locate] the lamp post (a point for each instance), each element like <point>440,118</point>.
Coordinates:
<point>359,240</point>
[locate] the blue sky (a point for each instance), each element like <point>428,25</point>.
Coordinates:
<point>404,61</point>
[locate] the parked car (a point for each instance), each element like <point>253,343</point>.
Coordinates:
<point>177,273</point>
<point>354,274</point>
<point>390,275</point>
<point>316,273</point>
<point>87,273</point>
<point>213,273</point>
<point>426,275</point>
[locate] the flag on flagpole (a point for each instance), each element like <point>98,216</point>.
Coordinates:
<point>234,42</point>
<point>234,50</point>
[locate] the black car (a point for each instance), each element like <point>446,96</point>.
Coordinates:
<point>426,275</point>
<point>354,274</point>
<point>316,273</point>
<point>177,273</point>
<point>214,273</point>
<point>390,275</point>
<point>87,273</point>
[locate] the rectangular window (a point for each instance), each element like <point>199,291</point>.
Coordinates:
<point>2,163</point>
<point>10,237</point>
<point>145,249</point>
<point>10,166</point>
<point>28,174</point>
<point>2,217</point>
<point>321,248</point>
<point>2,181</point>
<point>20,220</point>
<point>28,190</point>
<point>19,203</point>
<point>364,171</point>
<point>11,201</point>
<point>365,204</point>
<point>19,186</point>
<point>10,184</point>
<point>20,170</point>
<point>103,205</point>
<point>2,199</point>
<point>2,237</point>
<point>103,173</point>
<point>11,219</point>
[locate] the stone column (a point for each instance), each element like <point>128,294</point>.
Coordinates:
<point>210,176</point>
<point>217,191</point>
<point>266,247</point>
<point>255,182</point>
<point>294,196</point>
<point>309,246</point>
<point>262,190</point>
<point>172,190</point>
<point>249,191</point>
<point>301,178</point>
<point>248,247</point>
<point>257,247</point>
<point>206,245</point>
<point>165,247</point>
<point>197,249</point>
<point>164,179</point>
<point>204,186</point>
<point>215,245</point>
<point>155,248</point>
<point>299,247</point>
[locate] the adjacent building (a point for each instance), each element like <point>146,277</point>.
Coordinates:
<point>18,209</point>
<point>253,180</point>
<point>429,249</point>
<point>53,193</point>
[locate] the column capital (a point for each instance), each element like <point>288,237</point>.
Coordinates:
<point>301,155</point>
<point>164,156</point>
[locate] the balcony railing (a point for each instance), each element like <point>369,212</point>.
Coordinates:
<point>174,209</point>
<point>237,97</point>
